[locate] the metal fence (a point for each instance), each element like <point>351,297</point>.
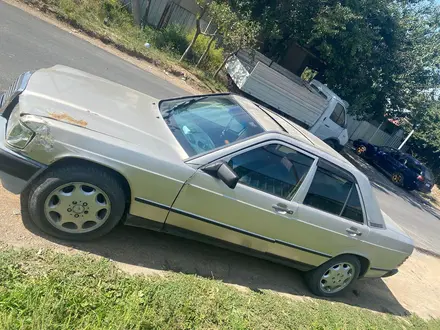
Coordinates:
<point>162,13</point>
<point>369,132</point>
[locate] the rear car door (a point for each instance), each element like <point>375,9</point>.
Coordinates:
<point>254,214</point>
<point>332,213</point>
<point>389,160</point>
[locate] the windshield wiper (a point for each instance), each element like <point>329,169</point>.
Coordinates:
<point>179,106</point>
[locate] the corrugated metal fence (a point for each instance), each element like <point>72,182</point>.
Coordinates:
<point>162,13</point>
<point>368,132</point>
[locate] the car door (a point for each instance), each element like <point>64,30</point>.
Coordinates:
<point>333,124</point>
<point>331,213</point>
<point>254,214</point>
<point>388,160</point>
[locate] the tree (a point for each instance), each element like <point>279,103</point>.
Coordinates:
<point>239,33</point>
<point>222,16</point>
<point>425,143</point>
<point>379,54</point>
<point>204,6</point>
<point>208,47</point>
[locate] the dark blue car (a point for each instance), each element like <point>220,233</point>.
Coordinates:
<point>403,169</point>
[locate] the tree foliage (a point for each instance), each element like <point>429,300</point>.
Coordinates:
<point>204,7</point>
<point>425,143</point>
<point>235,30</point>
<point>379,54</point>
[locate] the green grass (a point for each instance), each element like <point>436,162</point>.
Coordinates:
<point>47,290</point>
<point>110,21</point>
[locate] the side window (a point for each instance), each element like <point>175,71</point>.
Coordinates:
<point>274,169</point>
<point>353,208</point>
<point>334,194</point>
<point>413,166</point>
<point>338,115</point>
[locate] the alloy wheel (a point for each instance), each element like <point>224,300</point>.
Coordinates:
<point>337,277</point>
<point>397,178</point>
<point>77,207</point>
<point>360,150</point>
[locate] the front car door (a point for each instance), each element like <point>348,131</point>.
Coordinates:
<point>256,214</point>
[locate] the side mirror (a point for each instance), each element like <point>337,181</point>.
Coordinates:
<point>223,172</point>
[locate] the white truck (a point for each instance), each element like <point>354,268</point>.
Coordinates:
<point>312,105</point>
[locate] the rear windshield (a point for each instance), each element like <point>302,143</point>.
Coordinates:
<point>203,123</point>
<point>420,169</point>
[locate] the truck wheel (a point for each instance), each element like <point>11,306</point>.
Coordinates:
<point>75,202</point>
<point>331,143</point>
<point>334,277</point>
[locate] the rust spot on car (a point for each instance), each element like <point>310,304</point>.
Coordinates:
<point>67,118</point>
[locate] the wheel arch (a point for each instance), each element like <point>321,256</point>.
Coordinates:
<point>335,143</point>
<point>365,262</point>
<point>85,162</point>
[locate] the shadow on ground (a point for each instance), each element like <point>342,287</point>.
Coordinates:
<point>382,183</point>
<point>159,251</point>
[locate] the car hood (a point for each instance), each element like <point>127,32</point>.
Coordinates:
<point>78,98</point>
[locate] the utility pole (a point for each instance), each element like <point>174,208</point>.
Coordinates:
<point>406,140</point>
<point>136,11</point>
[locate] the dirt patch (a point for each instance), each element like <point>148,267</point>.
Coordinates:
<point>414,290</point>
<point>176,75</point>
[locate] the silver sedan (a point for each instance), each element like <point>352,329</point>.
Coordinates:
<point>86,154</point>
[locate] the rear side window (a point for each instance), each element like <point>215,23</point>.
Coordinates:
<point>353,208</point>
<point>334,193</point>
<point>415,167</point>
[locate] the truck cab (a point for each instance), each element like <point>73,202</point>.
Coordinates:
<point>331,127</point>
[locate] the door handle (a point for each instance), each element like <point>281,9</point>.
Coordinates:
<point>282,209</point>
<point>352,231</point>
<point>326,125</point>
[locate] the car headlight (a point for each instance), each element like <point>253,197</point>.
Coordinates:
<point>18,134</point>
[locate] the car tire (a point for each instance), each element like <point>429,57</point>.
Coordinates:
<point>360,150</point>
<point>398,179</point>
<point>331,274</point>
<point>92,199</point>
<point>331,143</point>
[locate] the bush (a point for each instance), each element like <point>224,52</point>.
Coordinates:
<point>172,38</point>
<point>215,55</point>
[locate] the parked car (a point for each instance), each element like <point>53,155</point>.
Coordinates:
<point>86,154</point>
<point>402,169</point>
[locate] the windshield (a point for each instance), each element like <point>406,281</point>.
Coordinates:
<point>204,123</point>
